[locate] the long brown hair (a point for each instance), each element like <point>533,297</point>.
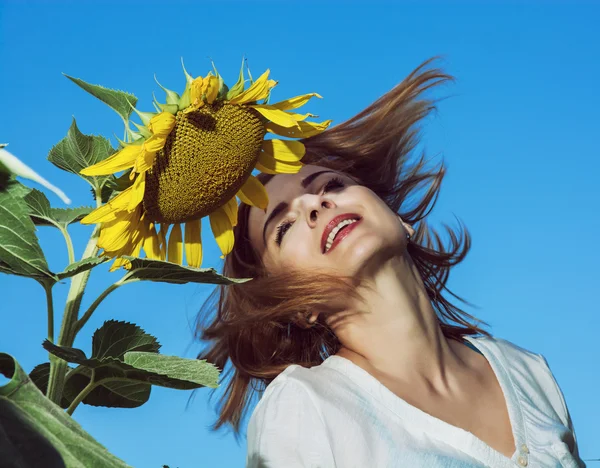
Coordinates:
<point>259,326</point>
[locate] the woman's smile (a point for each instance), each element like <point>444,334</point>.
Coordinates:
<point>337,230</point>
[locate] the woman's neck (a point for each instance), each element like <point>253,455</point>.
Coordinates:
<point>398,335</point>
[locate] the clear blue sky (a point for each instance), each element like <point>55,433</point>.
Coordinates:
<point>519,133</point>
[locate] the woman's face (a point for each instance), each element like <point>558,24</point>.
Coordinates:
<point>322,220</point>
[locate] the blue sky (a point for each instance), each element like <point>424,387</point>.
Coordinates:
<point>518,132</point>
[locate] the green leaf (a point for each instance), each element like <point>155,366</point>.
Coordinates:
<point>115,338</point>
<point>166,272</point>
<point>81,266</point>
<point>11,165</point>
<point>20,252</point>
<point>171,371</point>
<point>115,394</point>
<point>166,371</point>
<point>120,101</point>
<point>36,432</point>
<point>77,151</point>
<point>238,87</point>
<point>43,214</point>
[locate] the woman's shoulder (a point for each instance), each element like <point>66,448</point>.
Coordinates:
<point>529,371</point>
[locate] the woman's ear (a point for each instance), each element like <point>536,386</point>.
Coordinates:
<point>409,229</point>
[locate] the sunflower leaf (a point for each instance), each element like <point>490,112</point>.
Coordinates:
<point>80,266</point>
<point>120,101</point>
<point>115,338</point>
<point>167,272</point>
<point>20,252</point>
<point>42,214</point>
<point>77,151</point>
<point>238,87</point>
<point>143,367</point>
<point>38,432</point>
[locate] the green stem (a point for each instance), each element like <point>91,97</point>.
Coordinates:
<point>85,392</point>
<point>58,368</point>
<point>88,313</point>
<point>90,387</point>
<point>50,306</point>
<point>69,242</point>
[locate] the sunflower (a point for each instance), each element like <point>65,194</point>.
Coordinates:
<point>191,159</point>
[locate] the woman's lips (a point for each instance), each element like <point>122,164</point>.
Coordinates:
<point>342,234</point>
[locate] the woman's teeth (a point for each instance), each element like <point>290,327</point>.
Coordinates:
<point>335,230</point>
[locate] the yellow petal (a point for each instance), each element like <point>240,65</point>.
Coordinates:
<point>222,230</point>
<point>304,129</point>
<point>144,162</point>
<point>154,143</point>
<point>231,208</point>
<point>175,247</point>
<point>116,235</point>
<point>284,150</point>
<point>196,91</point>
<point>152,243</point>
<point>137,194</point>
<point>269,165</point>
<point>277,116</point>
<point>193,243</point>
<point>108,212</point>
<point>253,193</point>
<point>123,159</point>
<point>162,124</point>
<point>211,85</point>
<point>295,102</point>
<point>259,90</point>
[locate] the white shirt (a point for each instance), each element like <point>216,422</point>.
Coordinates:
<point>338,415</point>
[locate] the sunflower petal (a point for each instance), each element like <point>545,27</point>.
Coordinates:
<point>222,230</point>
<point>175,246</point>
<point>152,243</point>
<point>304,129</point>
<point>253,193</point>
<point>295,102</point>
<point>162,124</point>
<point>108,212</point>
<point>144,162</point>
<point>211,88</point>
<point>196,91</point>
<point>193,243</point>
<point>137,195</point>
<point>270,165</point>
<point>123,159</point>
<point>154,143</point>
<point>259,90</point>
<point>284,150</point>
<point>116,235</point>
<point>231,208</point>
<point>277,116</point>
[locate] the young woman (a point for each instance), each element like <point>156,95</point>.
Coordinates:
<point>347,330</point>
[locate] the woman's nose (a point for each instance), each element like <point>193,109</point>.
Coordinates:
<point>314,213</point>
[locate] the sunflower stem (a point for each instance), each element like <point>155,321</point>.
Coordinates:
<point>58,367</point>
<point>50,306</point>
<point>88,313</point>
<point>69,243</point>
<point>85,392</point>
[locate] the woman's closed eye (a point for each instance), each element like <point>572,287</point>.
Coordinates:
<point>334,183</point>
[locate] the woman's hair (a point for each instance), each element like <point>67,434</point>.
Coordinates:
<point>260,325</point>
